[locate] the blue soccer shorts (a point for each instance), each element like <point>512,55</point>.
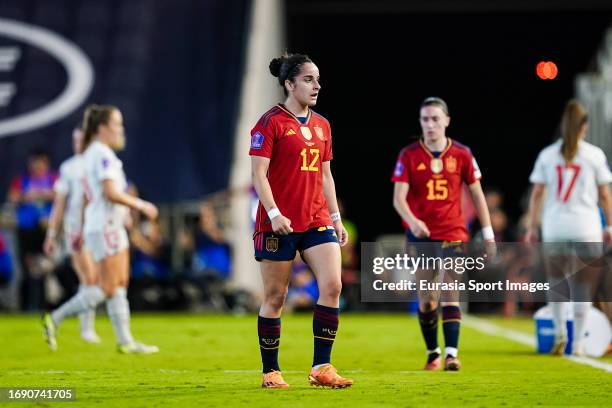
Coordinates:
<point>275,247</point>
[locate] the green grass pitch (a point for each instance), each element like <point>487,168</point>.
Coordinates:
<point>213,361</point>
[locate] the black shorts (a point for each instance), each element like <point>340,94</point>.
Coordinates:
<point>275,247</point>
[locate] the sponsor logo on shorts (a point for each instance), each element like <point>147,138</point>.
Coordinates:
<point>271,244</point>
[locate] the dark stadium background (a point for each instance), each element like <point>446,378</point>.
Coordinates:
<point>379,60</point>
<point>174,68</point>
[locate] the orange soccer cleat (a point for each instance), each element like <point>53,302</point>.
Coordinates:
<point>327,376</point>
<point>273,379</point>
<point>434,365</point>
<point>452,364</point>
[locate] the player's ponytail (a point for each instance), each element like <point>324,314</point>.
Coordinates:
<point>572,122</point>
<point>287,67</point>
<point>94,116</point>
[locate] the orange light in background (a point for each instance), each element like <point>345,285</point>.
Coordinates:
<point>547,70</point>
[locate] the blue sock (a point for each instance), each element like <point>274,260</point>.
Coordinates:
<point>269,330</point>
<point>324,328</point>
<point>429,328</point>
<point>451,323</point>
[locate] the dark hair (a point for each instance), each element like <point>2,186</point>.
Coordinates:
<point>94,116</point>
<point>38,153</point>
<point>435,101</point>
<point>287,66</point>
<point>573,119</point>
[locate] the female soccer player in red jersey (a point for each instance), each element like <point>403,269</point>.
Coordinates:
<point>427,195</point>
<point>290,157</point>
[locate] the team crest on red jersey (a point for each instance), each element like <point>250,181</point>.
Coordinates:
<point>271,244</point>
<point>319,132</point>
<point>306,132</point>
<point>450,163</point>
<point>436,165</point>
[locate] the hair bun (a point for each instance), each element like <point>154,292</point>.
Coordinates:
<point>275,66</point>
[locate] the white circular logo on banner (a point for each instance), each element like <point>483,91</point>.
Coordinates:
<point>78,68</point>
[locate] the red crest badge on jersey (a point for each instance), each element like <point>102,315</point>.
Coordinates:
<point>306,132</point>
<point>450,164</point>
<point>319,132</point>
<point>271,244</point>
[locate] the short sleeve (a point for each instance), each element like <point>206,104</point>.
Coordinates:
<point>61,184</point>
<point>602,171</point>
<point>400,173</point>
<point>471,171</point>
<point>328,154</point>
<point>538,174</point>
<point>107,166</point>
<point>262,139</point>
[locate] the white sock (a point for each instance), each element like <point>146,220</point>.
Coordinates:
<point>85,299</point>
<point>118,310</point>
<point>580,312</point>
<point>559,318</point>
<point>436,350</point>
<point>87,318</point>
<point>451,351</point>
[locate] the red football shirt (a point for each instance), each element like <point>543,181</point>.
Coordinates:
<point>296,152</point>
<point>434,195</point>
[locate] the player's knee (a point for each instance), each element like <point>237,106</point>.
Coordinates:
<point>276,299</point>
<point>332,290</point>
<point>91,279</point>
<point>108,289</point>
<point>429,306</point>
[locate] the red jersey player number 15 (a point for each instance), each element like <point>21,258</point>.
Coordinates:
<point>435,184</point>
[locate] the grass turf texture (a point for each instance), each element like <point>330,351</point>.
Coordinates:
<point>214,361</point>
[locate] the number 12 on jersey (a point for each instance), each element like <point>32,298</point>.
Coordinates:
<point>309,165</point>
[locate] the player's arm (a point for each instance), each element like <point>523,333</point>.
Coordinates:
<point>55,221</point>
<point>120,197</point>
<point>605,201</point>
<point>259,171</point>
<point>329,191</point>
<point>482,210</point>
<point>417,227</point>
<point>533,213</point>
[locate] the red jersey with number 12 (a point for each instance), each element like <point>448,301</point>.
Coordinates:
<point>296,151</point>
<point>434,194</point>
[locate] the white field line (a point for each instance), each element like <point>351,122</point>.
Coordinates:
<point>528,340</point>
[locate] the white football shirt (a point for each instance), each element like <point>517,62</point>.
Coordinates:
<point>70,183</point>
<point>570,209</point>
<point>101,163</point>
